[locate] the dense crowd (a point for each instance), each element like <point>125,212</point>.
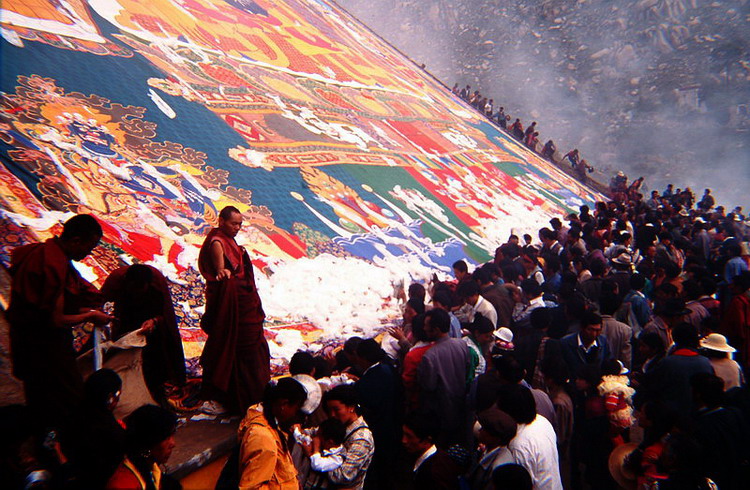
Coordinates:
<point>529,136</point>
<point>609,350</point>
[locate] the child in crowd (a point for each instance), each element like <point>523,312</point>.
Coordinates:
<point>327,451</point>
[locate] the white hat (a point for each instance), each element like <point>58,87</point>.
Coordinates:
<point>504,333</point>
<point>717,342</point>
<point>314,393</point>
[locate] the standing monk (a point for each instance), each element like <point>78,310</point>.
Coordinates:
<point>235,358</point>
<point>48,296</point>
<point>143,302</point>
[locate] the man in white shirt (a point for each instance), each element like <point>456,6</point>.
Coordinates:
<point>535,444</point>
<point>469,293</point>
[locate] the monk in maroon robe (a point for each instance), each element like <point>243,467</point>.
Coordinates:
<point>235,357</point>
<point>48,297</point>
<point>142,301</point>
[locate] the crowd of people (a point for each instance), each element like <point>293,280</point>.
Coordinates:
<point>609,350</point>
<point>529,137</point>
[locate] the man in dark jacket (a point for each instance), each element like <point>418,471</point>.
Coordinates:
<point>587,347</point>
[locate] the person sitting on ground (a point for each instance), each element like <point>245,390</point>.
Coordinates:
<point>516,129</point>
<point>149,442</point>
<point>97,440</point>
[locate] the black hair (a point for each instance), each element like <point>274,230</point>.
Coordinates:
<point>531,288</point>
<point>508,368</point>
<point>590,318</point>
<point>518,402</point>
<point>692,289</point>
<point>146,427</point>
<point>481,325</point>
<point>654,341</point>
<point>591,374</point>
<point>610,367</point>
<point>541,318</point>
<point>709,388</point>
<point>557,369</point>
<point>301,363</point>
<point>370,350</point>
<point>461,266</point>
<point>288,389</point>
<point>423,427</point>
<point>100,386</point>
<point>139,274</point>
<point>609,303</point>
<point>637,282</point>
<point>597,268</point>
<point>481,275</point>
<point>332,429</point>
<point>439,319</point>
<point>417,328</point>
<point>685,335</point>
<point>417,290</point>
<point>322,368</point>
<point>228,211</point>
<point>345,394</point>
<point>443,297</point>
<point>467,289</point>
<point>510,250</point>
<point>350,345</point>
<point>552,262</point>
<point>416,304</point>
<point>83,226</point>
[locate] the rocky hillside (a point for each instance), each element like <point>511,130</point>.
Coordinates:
<point>654,87</point>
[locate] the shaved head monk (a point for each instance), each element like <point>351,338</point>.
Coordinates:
<point>48,297</point>
<point>236,358</point>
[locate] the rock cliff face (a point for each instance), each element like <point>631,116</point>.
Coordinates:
<point>655,87</point>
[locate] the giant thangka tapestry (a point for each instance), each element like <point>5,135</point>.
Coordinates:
<point>355,171</point>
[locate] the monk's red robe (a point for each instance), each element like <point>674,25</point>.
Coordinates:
<point>235,358</point>
<point>163,357</point>
<point>42,353</point>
